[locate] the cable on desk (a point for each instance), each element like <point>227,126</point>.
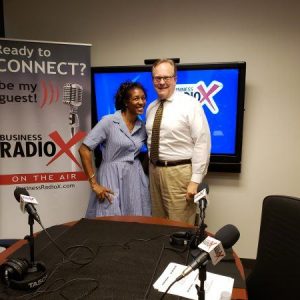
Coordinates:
<point>154,272</point>
<point>89,259</point>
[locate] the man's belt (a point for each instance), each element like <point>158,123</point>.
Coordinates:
<point>172,163</point>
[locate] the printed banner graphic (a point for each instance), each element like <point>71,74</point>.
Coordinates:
<point>45,111</point>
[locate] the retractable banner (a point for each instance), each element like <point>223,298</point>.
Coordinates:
<point>44,116</point>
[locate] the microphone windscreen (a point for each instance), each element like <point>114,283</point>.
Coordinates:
<point>20,191</point>
<point>72,94</point>
<point>67,93</point>
<point>203,186</point>
<point>228,235</point>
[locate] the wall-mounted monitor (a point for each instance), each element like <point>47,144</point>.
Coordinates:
<point>219,87</point>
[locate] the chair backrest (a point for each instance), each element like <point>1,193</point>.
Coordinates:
<point>276,274</point>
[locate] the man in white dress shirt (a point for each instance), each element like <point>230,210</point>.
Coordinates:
<point>184,147</point>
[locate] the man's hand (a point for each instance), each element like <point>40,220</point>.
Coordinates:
<point>191,190</point>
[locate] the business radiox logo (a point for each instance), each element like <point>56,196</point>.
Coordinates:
<point>36,146</point>
<point>203,93</point>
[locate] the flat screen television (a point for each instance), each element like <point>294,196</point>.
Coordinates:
<point>219,87</point>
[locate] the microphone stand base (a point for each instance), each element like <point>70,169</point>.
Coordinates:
<point>36,275</point>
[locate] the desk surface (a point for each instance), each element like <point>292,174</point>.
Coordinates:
<point>238,293</point>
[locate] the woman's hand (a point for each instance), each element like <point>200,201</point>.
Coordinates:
<point>102,192</point>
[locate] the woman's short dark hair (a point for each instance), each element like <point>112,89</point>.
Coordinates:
<point>123,93</point>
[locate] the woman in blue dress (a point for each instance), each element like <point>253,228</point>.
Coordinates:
<point>120,186</point>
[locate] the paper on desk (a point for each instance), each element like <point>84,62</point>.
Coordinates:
<point>214,284</point>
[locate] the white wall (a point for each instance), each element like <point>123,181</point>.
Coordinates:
<point>265,34</point>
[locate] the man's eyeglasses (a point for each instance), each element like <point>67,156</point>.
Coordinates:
<point>158,79</point>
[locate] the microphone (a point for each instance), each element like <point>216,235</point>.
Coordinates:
<point>202,195</point>
<point>225,238</point>
<point>72,95</point>
<point>203,186</point>
<point>202,199</point>
<point>28,206</point>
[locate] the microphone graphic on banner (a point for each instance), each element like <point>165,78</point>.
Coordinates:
<point>72,95</point>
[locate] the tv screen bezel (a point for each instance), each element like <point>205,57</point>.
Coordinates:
<point>218,162</point>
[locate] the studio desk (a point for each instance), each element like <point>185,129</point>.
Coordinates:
<point>118,257</point>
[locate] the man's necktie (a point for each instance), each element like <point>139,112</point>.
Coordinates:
<point>155,133</point>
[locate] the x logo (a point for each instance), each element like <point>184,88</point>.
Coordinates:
<point>219,252</point>
<point>208,93</point>
<point>65,147</point>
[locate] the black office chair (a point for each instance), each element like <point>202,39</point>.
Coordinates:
<point>276,274</point>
